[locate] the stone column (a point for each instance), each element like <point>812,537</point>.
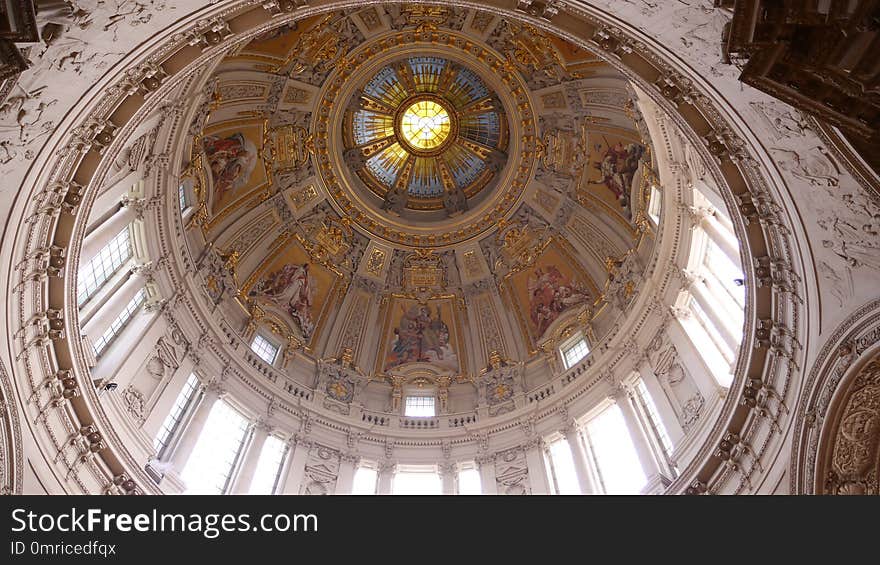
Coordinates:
<point>196,425</point>
<point>720,236</point>
<point>386,476</point>
<point>701,295</point>
<point>113,307</point>
<point>345,478</point>
<point>251,458</point>
<point>488,482</point>
<point>703,376</point>
<point>579,456</point>
<point>104,233</point>
<point>296,469</point>
<point>647,459</point>
<point>447,474</point>
<point>538,478</point>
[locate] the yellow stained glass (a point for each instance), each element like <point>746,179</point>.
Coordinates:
<point>425,125</point>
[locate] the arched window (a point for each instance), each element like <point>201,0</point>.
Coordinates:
<point>612,453</point>
<point>469,481</point>
<point>120,322</point>
<point>715,296</point>
<point>574,349</point>
<point>175,418</point>
<point>654,424</point>
<point>417,480</point>
<point>269,465</point>
<point>265,349</point>
<point>560,464</point>
<point>103,266</point>
<point>366,478</point>
<point>218,451</point>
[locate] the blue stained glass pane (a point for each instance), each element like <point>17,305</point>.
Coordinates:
<point>425,181</point>
<point>426,72</point>
<point>386,79</point>
<point>468,81</point>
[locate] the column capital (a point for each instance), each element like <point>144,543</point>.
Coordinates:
<point>620,391</point>
<point>697,214</point>
<point>350,457</point>
<point>485,459</point>
<point>534,443</point>
<point>569,429</point>
<point>299,439</point>
<point>679,312</point>
<point>690,278</point>
<point>447,468</point>
<point>262,424</point>
<point>387,466</point>
<point>216,388</point>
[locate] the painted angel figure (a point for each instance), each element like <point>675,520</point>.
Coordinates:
<point>232,160</point>
<point>291,288</point>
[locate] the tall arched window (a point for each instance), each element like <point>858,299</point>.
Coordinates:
<point>120,322</point>
<point>366,478</point>
<point>103,266</point>
<point>469,481</point>
<point>269,465</point>
<point>172,423</point>
<point>218,452</point>
<point>417,480</point>
<point>714,299</point>
<point>612,453</point>
<point>560,464</point>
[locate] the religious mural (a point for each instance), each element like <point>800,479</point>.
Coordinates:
<point>550,294</point>
<point>421,333</point>
<point>292,286</point>
<point>234,161</point>
<point>614,163</point>
<point>546,289</point>
<point>292,289</point>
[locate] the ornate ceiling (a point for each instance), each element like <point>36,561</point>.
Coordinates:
<point>484,181</point>
<point>268,223</point>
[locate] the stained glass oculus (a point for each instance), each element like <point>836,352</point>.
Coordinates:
<point>428,126</point>
<point>425,125</point>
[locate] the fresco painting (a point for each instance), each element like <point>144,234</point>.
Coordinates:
<point>234,160</point>
<point>614,163</point>
<point>421,333</point>
<point>294,287</point>
<point>547,289</point>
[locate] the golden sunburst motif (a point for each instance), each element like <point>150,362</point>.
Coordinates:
<point>429,131</point>
<point>425,125</point>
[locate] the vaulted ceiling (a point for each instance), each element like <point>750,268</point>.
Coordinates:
<point>420,155</point>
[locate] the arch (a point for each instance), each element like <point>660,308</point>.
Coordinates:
<point>60,188</point>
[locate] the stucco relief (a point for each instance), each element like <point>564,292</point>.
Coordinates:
<point>135,403</point>
<point>852,236</point>
<point>493,339</point>
<point>512,472</point>
<point>854,464</point>
<point>11,457</point>
<point>87,38</point>
<point>813,176</point>
<point>321,471</point>
<point>679,386</point>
